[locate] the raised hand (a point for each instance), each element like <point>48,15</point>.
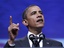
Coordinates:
<point>13,30</point>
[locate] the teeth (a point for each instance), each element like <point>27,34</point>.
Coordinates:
<point>40,20</point>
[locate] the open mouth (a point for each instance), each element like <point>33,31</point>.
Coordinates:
<point>40,20</point>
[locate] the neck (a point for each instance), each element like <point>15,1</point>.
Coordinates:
<point>36,31</point>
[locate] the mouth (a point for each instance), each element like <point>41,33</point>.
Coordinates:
<point>40,20</point>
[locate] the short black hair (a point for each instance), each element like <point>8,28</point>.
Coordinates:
<point>24,15</point>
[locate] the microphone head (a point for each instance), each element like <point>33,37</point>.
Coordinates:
<point>31,36</point>
<point>42,36</point>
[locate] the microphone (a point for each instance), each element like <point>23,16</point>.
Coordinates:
<point>41,37</point>
<point>31,37</point>
<point>34,40</point>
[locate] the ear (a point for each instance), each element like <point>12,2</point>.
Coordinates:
<point>25,22</point>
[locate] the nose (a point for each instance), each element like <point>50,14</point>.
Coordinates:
<point>39,15</point>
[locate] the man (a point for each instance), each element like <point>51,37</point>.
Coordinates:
<point>33,19</point>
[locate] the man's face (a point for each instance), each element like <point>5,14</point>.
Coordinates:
<point>35,17</point>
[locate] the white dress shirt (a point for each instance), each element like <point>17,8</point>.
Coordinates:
<point>30,42</point>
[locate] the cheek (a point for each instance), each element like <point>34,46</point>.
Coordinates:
<point>32,22</point>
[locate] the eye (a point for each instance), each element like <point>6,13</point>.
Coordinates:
<point>34,12</point>
<point>40,12</point>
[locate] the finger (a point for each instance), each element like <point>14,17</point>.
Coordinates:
<point>17,24</point>
<point>10,20</point>
<point>16,28</point>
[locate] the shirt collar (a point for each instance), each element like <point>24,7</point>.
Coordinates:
<point>33,34</point>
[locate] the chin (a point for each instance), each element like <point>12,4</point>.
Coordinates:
<point>41,26</point>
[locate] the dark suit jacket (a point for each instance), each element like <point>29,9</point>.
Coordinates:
<point>25,43</point>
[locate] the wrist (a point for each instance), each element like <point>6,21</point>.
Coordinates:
<point>10,41</point>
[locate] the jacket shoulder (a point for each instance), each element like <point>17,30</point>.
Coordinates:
<point>54,42</point>
<point>51,40</point>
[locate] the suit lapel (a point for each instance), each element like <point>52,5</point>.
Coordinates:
<point>46,43</point>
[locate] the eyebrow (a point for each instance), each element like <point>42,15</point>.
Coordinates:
<point>33,12</point>
<point>40,11</point>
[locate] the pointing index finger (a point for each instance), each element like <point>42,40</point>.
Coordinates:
<point>10,20</point>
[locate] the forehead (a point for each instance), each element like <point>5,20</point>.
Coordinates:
<point>34,8</point>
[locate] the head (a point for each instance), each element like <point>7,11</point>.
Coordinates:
<point>33,17</point>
